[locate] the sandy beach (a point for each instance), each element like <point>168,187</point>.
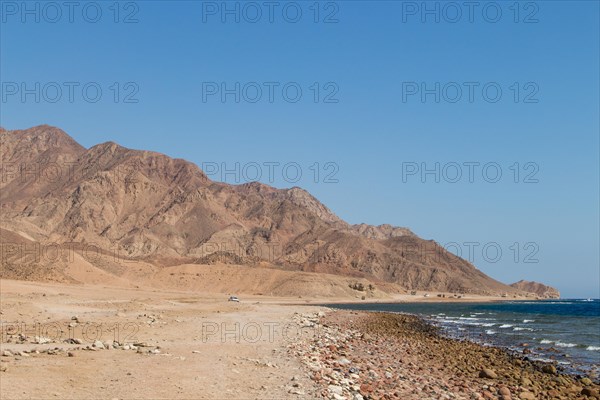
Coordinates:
<point>73,342</point>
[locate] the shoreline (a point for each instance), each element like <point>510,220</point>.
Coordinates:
<point>465,300</point>
<point>381,355</point>
<point>524,353</point>
<point>407,299</point>
<point>326,303</point>
<point>532,347</point>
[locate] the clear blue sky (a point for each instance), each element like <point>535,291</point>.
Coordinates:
<point>378,128</point>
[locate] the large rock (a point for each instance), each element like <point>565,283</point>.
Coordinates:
<point>549,369</point>
<point>590,392</point>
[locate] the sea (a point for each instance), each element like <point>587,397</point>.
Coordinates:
<point>565,331</point>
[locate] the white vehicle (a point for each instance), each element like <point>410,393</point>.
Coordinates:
<point>234,298</point>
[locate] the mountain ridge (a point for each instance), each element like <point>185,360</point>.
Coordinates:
<point>165,211</point>
<point>536,288</point>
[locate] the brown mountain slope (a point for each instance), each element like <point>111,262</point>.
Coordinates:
<point>147,207</point>
<point>537,289</point>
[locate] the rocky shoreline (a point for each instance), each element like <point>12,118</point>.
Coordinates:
<point>373,355</point>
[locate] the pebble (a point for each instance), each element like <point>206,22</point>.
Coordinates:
<point>527,396</point>
<point>504,391</point>
<point>487,373</point>
<point>586,381</point>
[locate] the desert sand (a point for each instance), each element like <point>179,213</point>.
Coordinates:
<point>192,346</point>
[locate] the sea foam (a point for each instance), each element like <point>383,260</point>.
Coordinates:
<point>561,344</point>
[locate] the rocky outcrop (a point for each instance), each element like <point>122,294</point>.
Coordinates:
<point>538,289</point>
<point>381,232</point>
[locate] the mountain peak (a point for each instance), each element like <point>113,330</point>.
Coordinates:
<point>303,198</point>
<point>29,143</point>
<point>107,147</point>
<point>46,134</point>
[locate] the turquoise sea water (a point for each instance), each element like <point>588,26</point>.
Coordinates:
<point>566,331</point>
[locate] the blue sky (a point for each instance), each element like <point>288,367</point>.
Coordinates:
<point>367,126</point>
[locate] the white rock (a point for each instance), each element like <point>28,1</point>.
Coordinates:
<point>41,340</point>
<point>334,389</point>
<point>98,344</point>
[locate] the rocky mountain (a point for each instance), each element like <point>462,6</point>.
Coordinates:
<point>115,209</point>
<point>538,289</point>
